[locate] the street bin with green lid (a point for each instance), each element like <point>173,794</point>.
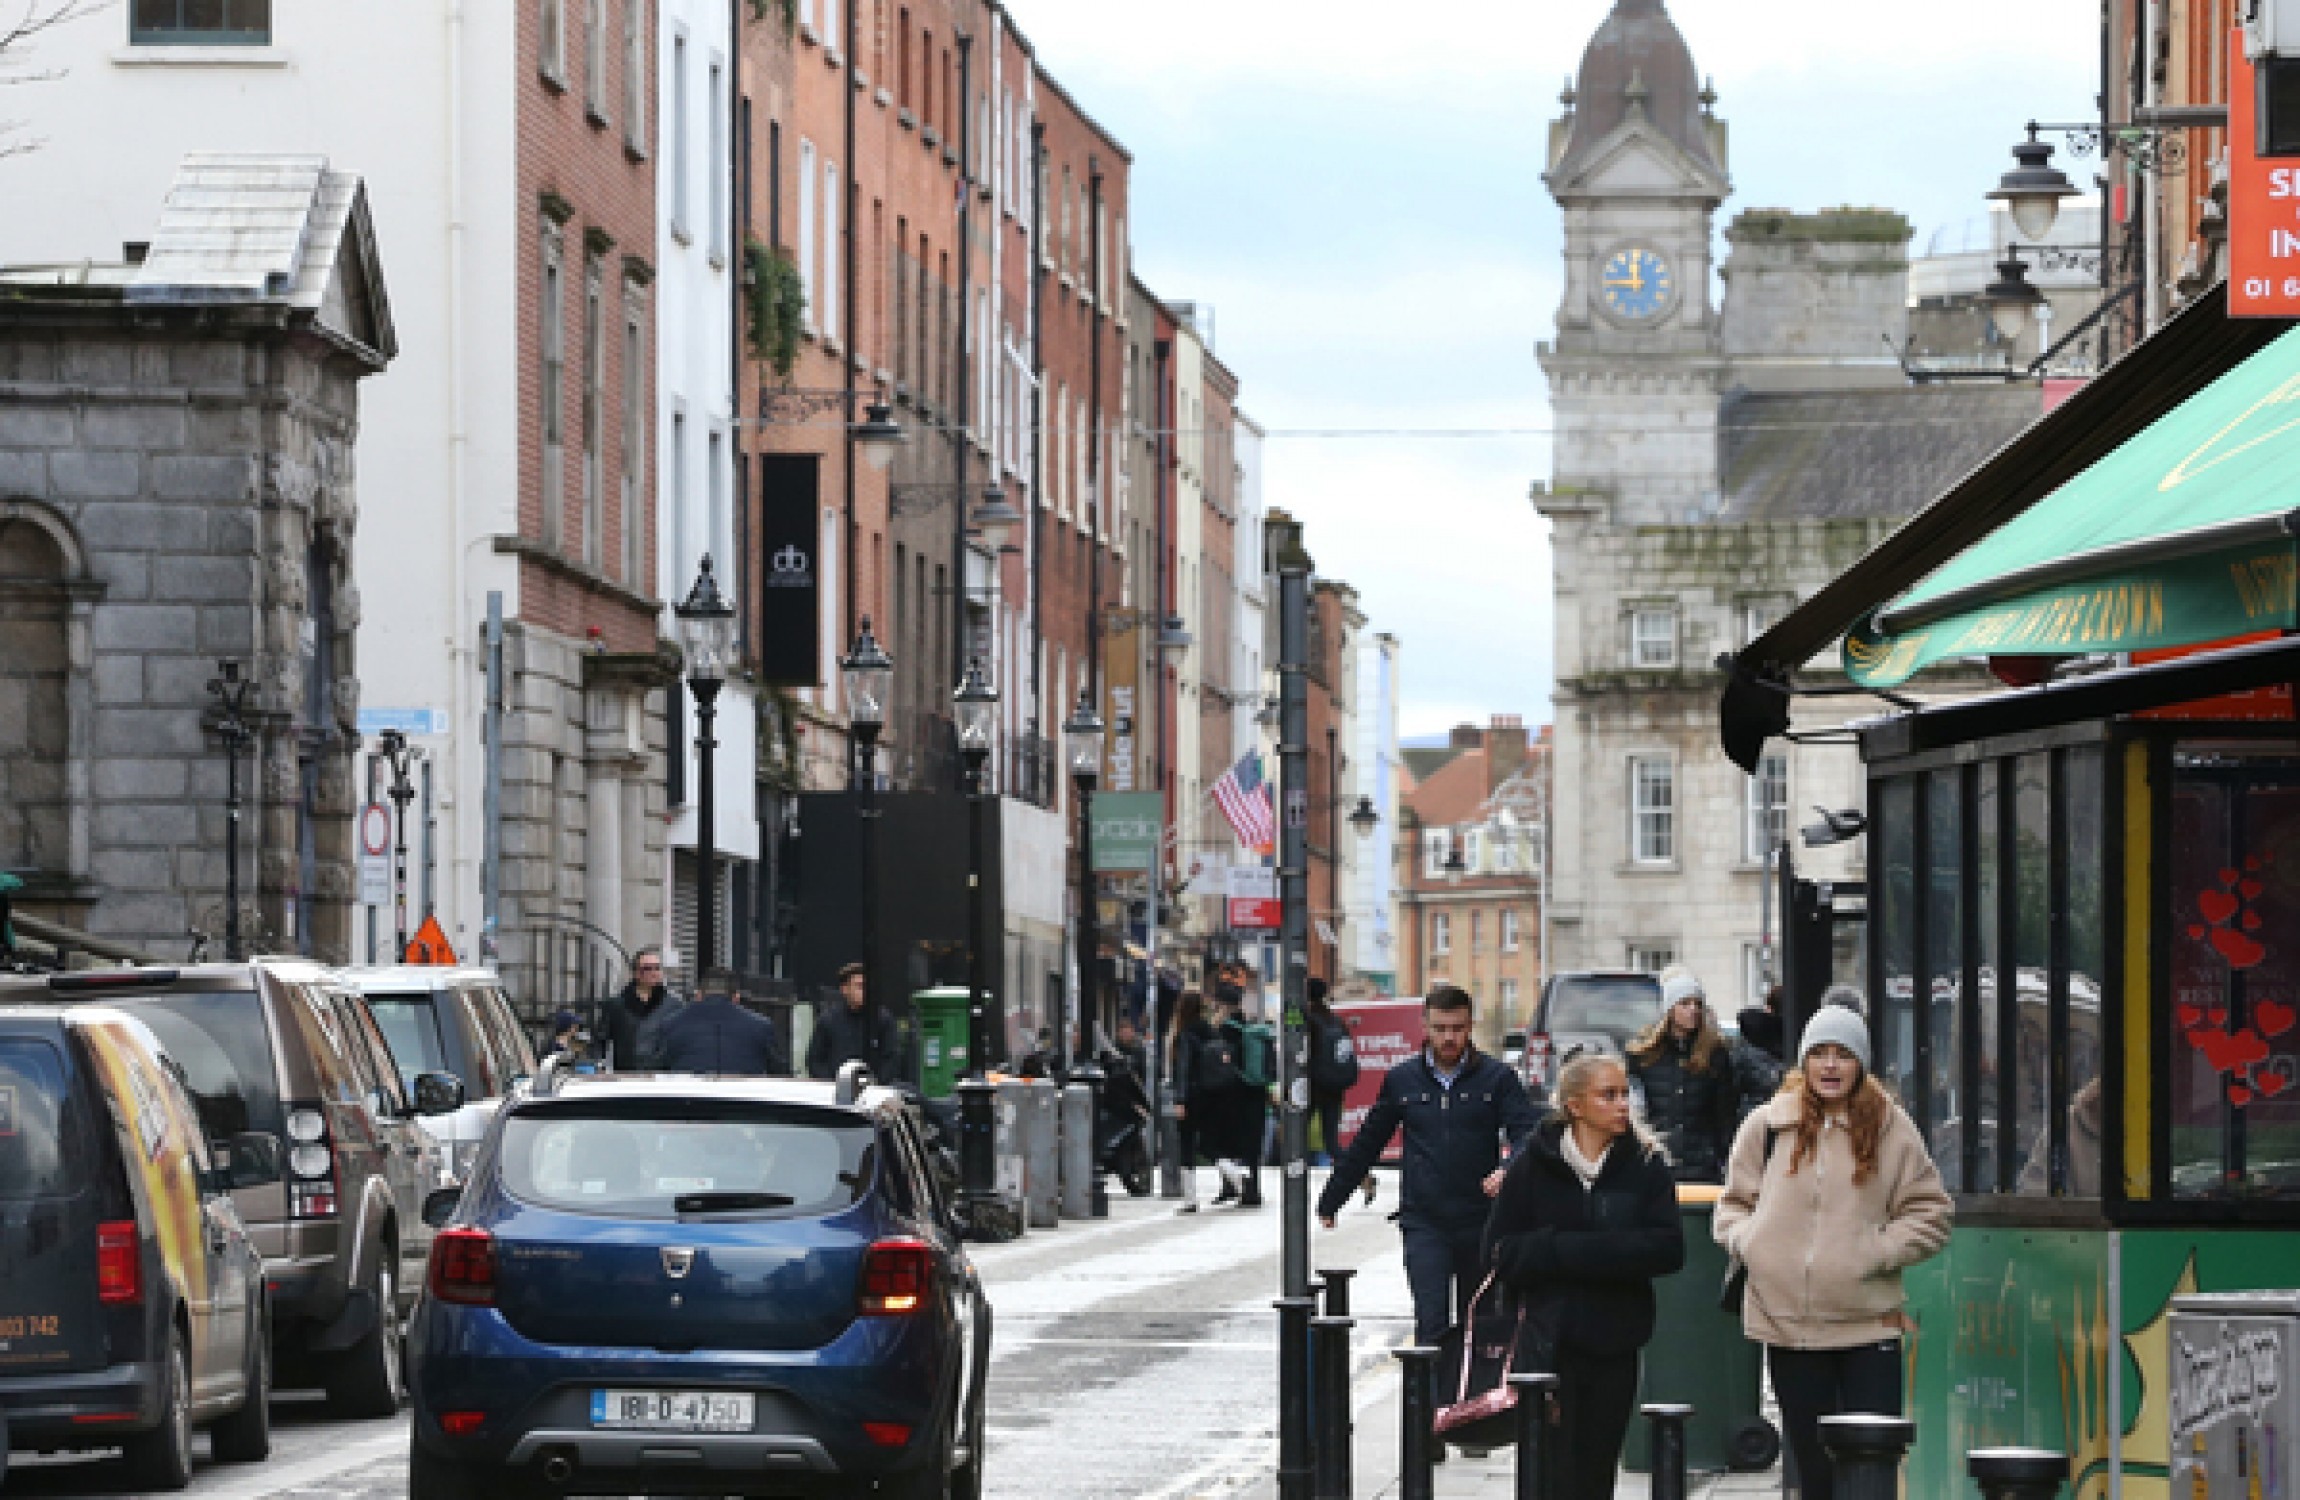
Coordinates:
<point>941,1040</point>
<point>1700,1356</point>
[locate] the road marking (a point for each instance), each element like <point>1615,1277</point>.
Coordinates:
<point>271,1478</point>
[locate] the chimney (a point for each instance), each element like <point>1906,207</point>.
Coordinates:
<point>1505,749</point>
<point>1466,737</point>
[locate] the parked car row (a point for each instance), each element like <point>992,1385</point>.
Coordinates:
<point>214,1172</point>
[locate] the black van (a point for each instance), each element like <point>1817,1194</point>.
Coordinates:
<point>132,1303</point>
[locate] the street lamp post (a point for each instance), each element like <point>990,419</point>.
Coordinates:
<point>1082,747</point>
<point>976,714</point>
<point>706,630</point>
<point>393,747</point>
<point>231,692</point>
<point>868,674</point>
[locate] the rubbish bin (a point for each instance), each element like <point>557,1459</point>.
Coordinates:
<point>1700,1356</point>
<point>2233,1397</point>
<point>942,1040</point>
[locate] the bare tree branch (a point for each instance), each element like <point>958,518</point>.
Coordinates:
<point>22,22</point>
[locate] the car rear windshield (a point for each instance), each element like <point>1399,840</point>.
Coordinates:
<point>40,1136</point>
<point>220,1039</point>
<point>676,1158</point>
<point>411,1024</point>
<point>1618,1007</point>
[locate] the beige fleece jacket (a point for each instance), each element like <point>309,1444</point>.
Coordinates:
<point>1825,1257</point>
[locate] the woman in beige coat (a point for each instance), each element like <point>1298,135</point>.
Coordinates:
<point>1828,1196</point>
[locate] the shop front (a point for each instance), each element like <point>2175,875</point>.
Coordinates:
<point>2084,955</point>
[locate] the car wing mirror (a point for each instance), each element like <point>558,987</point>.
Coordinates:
<point>249,1159</point>
<point>439,1206</point>
<point>438,1093</point>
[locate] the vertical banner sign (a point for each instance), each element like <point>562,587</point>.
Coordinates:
<point>1122,675</point>
<point>2263,206</point>
<point>790,585</point>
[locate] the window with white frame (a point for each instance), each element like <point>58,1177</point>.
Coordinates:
<point>807,230</point>
<point>683,558</point>
<point>1653,636</point>
<point>1504,844</point>
<point>594,393</point>
<point>1437,843</point>
<point>830,276</point>
<point>595,58</point>
<point>552,337</point>
<point>199,23</point>
<point>551,46</point>
<point>1508,1000</point>
<point>1767,810</point>
<point>1477,932</point>
<point>1473,851</point>
<point>1757,617</point>
<point>1753,984</point>
<point>682,161</point>
<point>1510,932</point>
<point>635,77</point>
<point>1647,956</point>
<point>831,32</point>
<point>1441,932</point>
<point>716,162</point>
<point>634,430</point>
<point>1652,809</point>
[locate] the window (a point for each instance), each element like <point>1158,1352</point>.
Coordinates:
<point>202,23</point>
<point>1503,841</point>
<point>681,164</point>
<point>682,531</point>
<point>1509,931</point>
<point>634,432</point>
<point>1508,1001</point>
<point>720,538</point>
<point>594,436</point>
<point>1437,843</point>
<point>830,249</point>
<point>635,76</point>
<point>1652,810</point>
<point>1648,957</point>
<point>1753,985</point>
<point>1653,637</point>
<point>595,59</point>
<point>553,337</point>
<point>551,49</point>
<point>716,164</point>
<point>1441,932</point>
<point>1473,850</point>
<point>807,227</point>
<point>1477,932</point>
<point>1767,808</point>
<point>1757,617</point>
<point>831,31</point>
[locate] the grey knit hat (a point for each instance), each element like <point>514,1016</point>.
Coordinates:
<point>1840,1024</point>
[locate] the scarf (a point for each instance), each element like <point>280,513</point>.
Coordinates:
<point>1583,1167</point>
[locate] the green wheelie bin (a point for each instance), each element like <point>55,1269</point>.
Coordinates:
<point>1700,1356</point>
<point>941,1040</point>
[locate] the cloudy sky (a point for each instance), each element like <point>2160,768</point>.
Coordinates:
<point>1355,188</point>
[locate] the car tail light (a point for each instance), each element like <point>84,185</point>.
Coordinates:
<point>887,1434</point>
<point>463,1267</point>
<point>119,1262</point>
<point>895,1278</point>
<point>311,1164</point>
<point>461,1423</point>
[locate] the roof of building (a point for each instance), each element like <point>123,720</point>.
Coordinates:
<point>1637,61</point>
<point>1824,455</point>
<point>1454,792</point>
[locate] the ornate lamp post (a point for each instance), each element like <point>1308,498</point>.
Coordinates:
<point>868,675</point>
<point>975,710</point>
<point>393,747</point>
<point>231,692</point>
<point>706,630</point>
<point>1082,748</point>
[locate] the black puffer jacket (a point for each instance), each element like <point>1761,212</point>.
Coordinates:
<point>1589,1253</point>
<point>1694,1113</point>
<point>1453,1138</point>
<point>843,1035</point>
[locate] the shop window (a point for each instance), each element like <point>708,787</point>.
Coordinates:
<point>200,23</point>
<point>2075,1158</point>
<point>1945,1106</point>
<point>1893,846</point>
<point>2031,945</point>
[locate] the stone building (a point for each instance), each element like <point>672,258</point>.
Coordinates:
<point>176,490</point>
<point>1713,465</point>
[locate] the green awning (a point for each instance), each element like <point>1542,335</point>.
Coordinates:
<point>2182,536</point>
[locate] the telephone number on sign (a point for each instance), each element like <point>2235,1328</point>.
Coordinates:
<point>33,1327</point>
<point>2269,286</point>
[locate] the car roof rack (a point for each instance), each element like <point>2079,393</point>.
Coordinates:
<point>853,1078</point>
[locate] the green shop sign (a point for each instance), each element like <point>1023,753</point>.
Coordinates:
<point>1127,830</point>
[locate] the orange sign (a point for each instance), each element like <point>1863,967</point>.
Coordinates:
<point>430,945</point>
<point>2263,207</point>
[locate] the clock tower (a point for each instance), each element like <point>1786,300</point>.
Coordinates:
<point>1637,163</point>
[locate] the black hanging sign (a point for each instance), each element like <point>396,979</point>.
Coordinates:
<point>790,566</point>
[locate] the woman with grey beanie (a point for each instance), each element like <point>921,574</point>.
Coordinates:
<point>1829,1196</point>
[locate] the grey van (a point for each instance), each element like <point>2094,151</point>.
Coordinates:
<point>456,1021</point>
<point>280,1047</point>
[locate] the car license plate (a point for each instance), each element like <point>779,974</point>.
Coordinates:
<point>674,1411</point>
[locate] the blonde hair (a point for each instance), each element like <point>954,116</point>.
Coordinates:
<point>1579,1076</point>
<point>1708,1042</point>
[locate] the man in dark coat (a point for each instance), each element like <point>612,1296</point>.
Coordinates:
<point>850,1029</point>
<point>1457,1106</point>
<point>636,1016</point>
<point>716,1035</point>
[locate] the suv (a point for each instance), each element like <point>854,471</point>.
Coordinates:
<point>705,1286</point>
<point>1603,1009</point>
<point>279,1048</point>
<point>133,1305</point>
<point>455,1021</point>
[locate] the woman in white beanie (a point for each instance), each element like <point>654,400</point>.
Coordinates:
<point>1683,1065</point>
<point>1828,1196</point>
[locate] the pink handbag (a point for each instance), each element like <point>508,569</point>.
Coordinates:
<point>1489,1347</point>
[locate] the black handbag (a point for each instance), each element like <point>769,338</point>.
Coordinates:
<point>1736,1287</point>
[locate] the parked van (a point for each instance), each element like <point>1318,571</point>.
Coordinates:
<point>133,1303</point>
<point>281,1048</point>
<point>455,1021</point>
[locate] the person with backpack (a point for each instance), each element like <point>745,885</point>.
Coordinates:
<point>1457,1108</point>
<point>1238,1067</point>
<point>1333,1070</point>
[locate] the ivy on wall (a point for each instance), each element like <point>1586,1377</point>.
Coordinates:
<point>777,305</point>
<point>788,10</point>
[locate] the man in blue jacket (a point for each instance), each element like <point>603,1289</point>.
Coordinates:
<point>717,1035</point>
<point>1456,1105</point>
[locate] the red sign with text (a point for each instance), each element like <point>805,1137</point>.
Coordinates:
<point>2263,207</point>
<point>1386,1033</point>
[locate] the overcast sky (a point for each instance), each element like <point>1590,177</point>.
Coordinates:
<point>1356,190</point>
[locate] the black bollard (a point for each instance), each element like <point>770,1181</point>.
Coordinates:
<point>1330,1405</point>
<point>1296,1470</point>
<point>2018,1473</point>
<point>1416,1478</point>
<point>1534,1395</point>
<point>1668,1419</point>
<point>1337,1283</point>
<point>1866,1452</point>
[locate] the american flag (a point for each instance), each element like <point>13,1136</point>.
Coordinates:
<point>1245,802</point>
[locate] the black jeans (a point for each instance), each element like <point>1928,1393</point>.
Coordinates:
<point>1814,1383</point>
<point>1326,1110</point>
<point>1443,1267</point>
<point>1595,1395</point>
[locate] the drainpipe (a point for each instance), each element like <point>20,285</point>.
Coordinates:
<point>849,190</point>
<point>1094,433</point>
<point>961,433</point>
<point>1038,433</point>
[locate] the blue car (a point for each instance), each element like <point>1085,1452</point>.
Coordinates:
<point>714,1286</point>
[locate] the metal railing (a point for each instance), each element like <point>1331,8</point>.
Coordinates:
<point>552,962</point>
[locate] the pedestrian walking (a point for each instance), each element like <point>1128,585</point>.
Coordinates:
<point>1456,1106</point>
<point>1586,1219</point>
<point>851,1029</point>
<point>1684,1066</point>
<point>1333,1071</point>
<point>717,1035</point>
<point>636,1016</point>
<point>1184,1087</point>
<point>1828,1197</point>
<point>1237,1069</point>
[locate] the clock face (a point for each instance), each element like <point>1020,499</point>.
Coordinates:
<point>1636,283</point>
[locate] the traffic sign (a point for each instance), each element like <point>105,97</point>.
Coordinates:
<point>374,855</point>
<point>430,945</point>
